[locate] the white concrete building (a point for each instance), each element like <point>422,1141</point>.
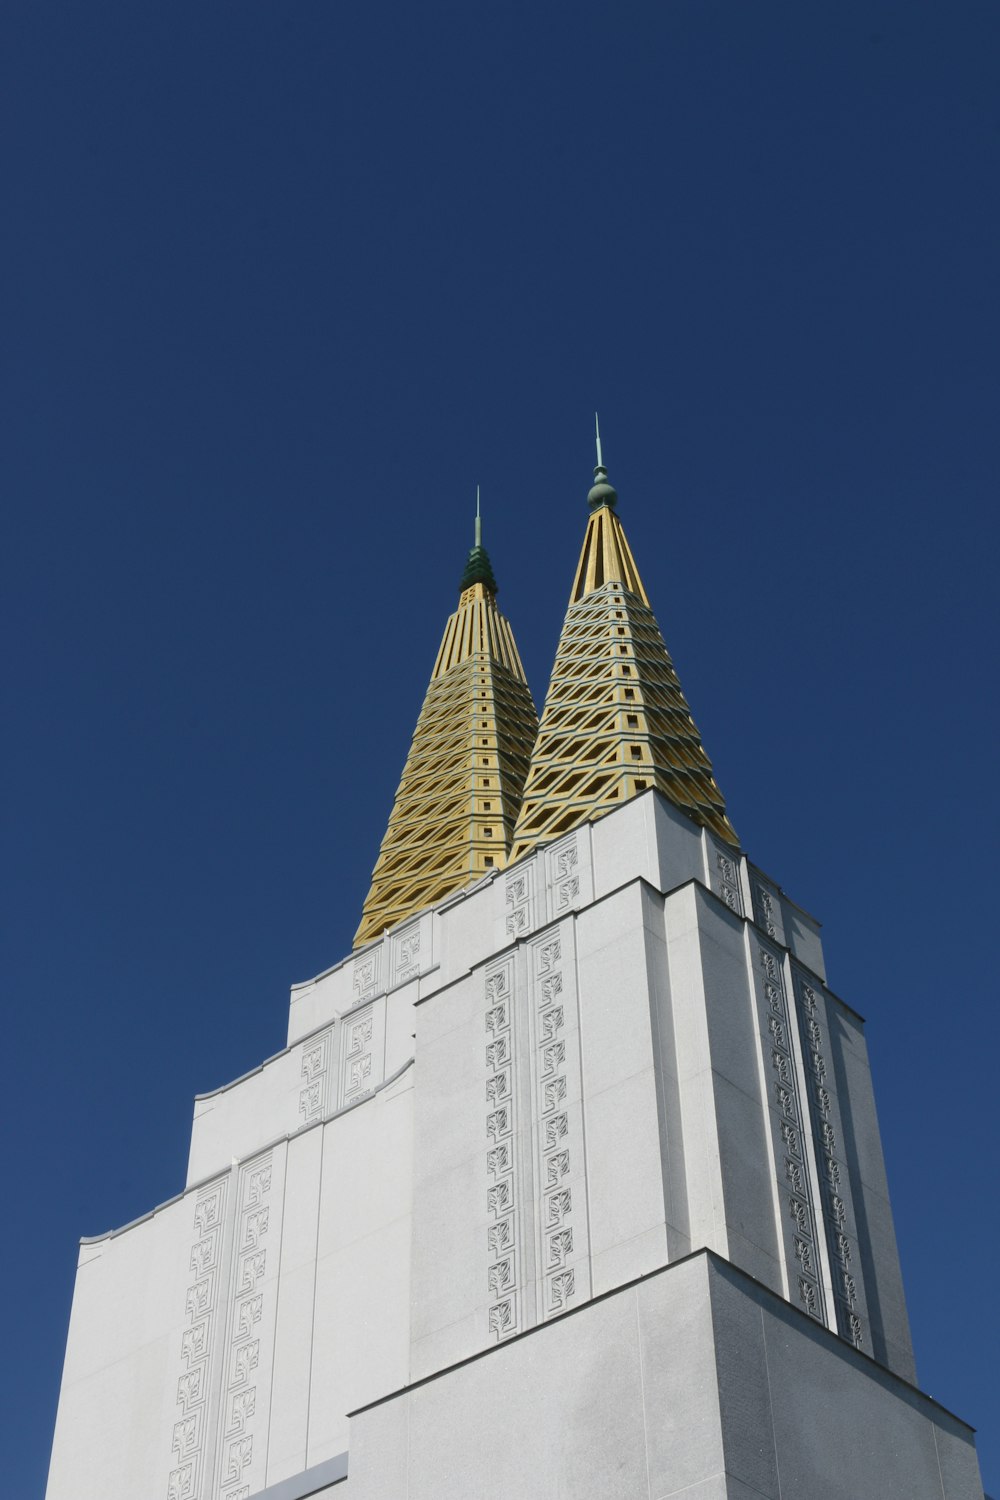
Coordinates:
<point>568,1185</point>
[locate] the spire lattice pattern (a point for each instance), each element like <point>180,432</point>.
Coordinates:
<point>458,800</point>
<point>615,720</point>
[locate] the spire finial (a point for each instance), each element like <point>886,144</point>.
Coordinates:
<point>603,492</point>
<point>477,567</point>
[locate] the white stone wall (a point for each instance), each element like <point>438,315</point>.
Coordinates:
<point>217,1346</point>
<point>643,1075</point>
<point>585,1068</point>
<point>693,1384</point>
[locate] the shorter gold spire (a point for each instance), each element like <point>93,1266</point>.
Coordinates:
<point>458,800</point>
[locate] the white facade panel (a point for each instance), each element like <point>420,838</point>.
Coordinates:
<point>612,1056</point>
<point>117,1404</point>
<point>362,1259</point>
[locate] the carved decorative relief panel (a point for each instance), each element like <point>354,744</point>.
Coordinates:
<point>406,957</point>
<point>563,874</point>
<point>366,978</point>
<point>362,1051</point>
<point>252,1234</point>
<point>191,1438</point>
<point>724,873</point>
<point>519,894</point>
<point>316,1077</point>
<point>789,1125</point>
<point>562,1245</point>
<point>223,1389</point>
<point>835,1185</point>
<point>767,907</point>
<point>502,1247</point>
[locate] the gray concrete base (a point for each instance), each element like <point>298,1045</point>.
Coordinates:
<point>693,1381</point>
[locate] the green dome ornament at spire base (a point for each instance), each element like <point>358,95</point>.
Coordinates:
<point>603,492</point>
<point>478,570</point>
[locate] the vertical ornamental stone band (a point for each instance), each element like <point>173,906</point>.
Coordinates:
<point>563,1264</point>
<point>835,1183</point>
<point>190,1434</point>
<point>501,1195</point>
<point>789,1139</point>
<point>239,1402</point>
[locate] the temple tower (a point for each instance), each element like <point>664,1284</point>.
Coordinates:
<point>568,1180</point>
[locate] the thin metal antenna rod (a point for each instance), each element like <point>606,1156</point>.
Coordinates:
<point>597,434</point>
<point>479,523</point>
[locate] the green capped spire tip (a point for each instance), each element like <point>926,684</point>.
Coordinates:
<point>603,491</point>
<point>477,567</point>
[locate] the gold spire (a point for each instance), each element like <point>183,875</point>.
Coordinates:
<point>458,800</point>
<point>615,721</point>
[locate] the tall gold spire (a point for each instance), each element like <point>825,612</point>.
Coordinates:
<point>460,794</point>
<point>615,721</point>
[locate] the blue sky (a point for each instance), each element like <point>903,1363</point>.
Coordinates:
<point>282,284</point>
